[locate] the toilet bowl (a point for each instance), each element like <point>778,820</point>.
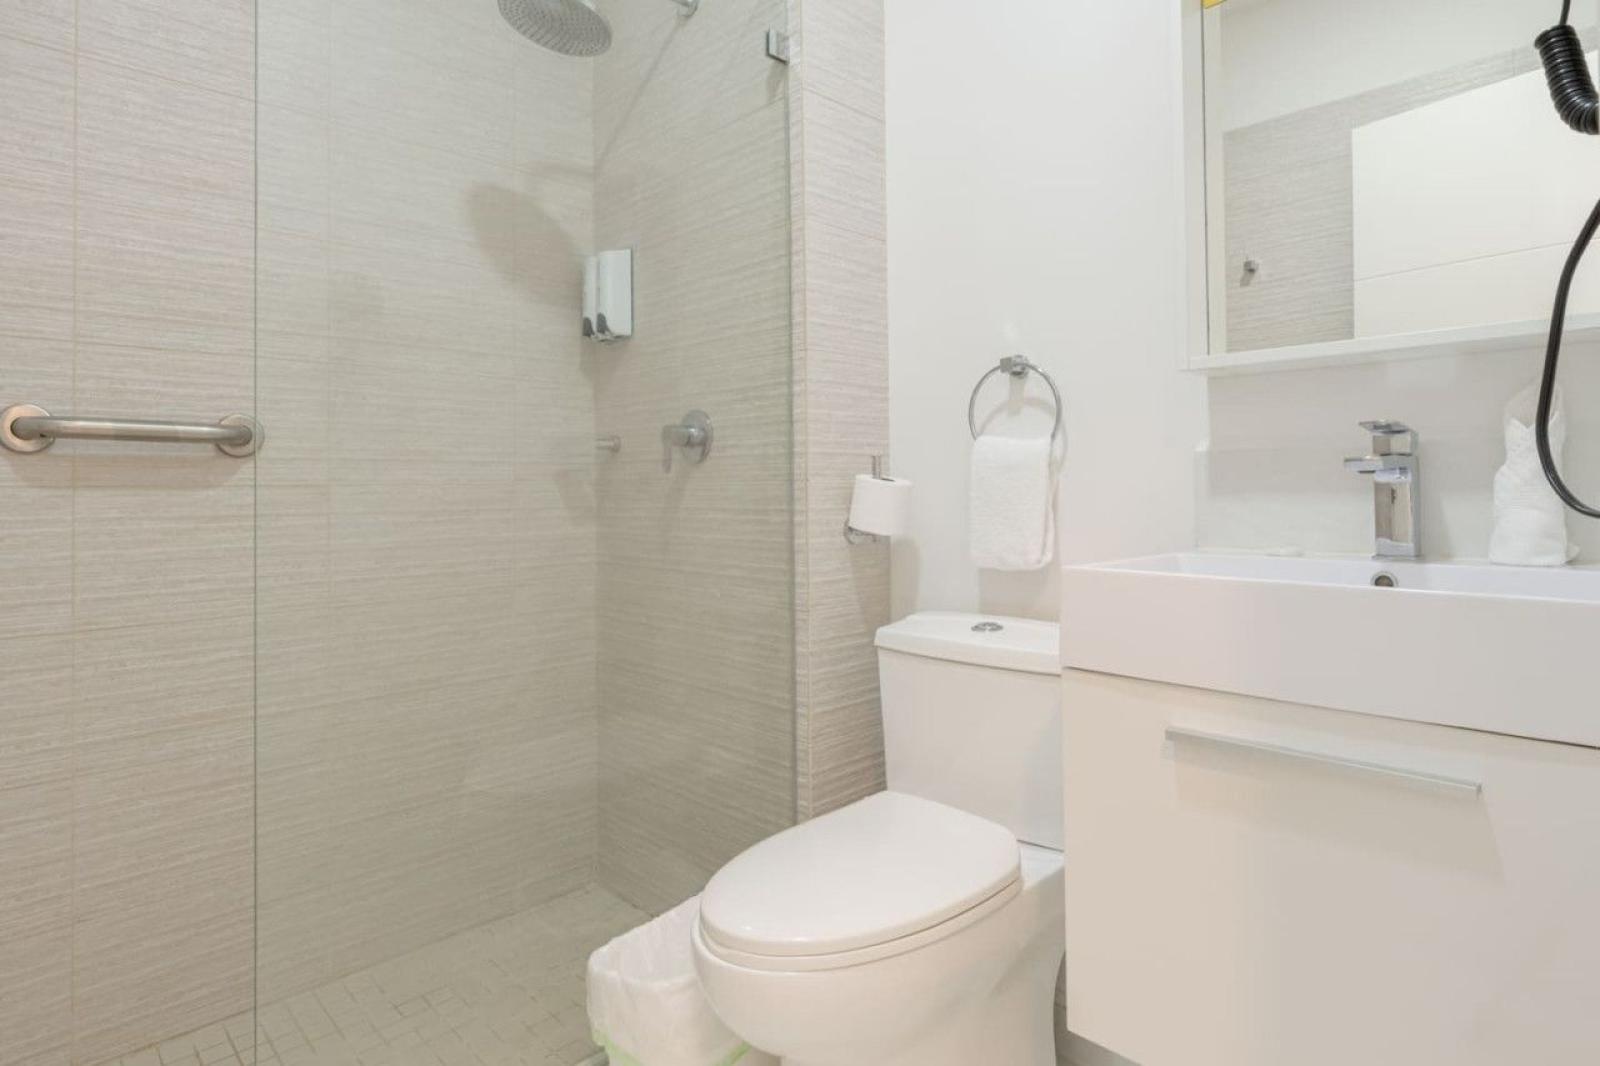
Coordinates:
<point>977,986</point>
<point>923,925</point>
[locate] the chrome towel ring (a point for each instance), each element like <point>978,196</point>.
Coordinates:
<point>1017,366</point>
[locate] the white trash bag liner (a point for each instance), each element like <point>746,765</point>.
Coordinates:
<point>645,1003</point>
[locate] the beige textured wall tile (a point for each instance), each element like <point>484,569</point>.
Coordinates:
<point>162,148</point>
<point>429,77</point>
<point>292,937</point>
<point>165,218</point>
<point>35,923</point>
<point>554,106</point>
<point>844,168</point>
<point>165,687</point>
<point>36,968</point>
<point>426,664</point>
<point>294,823</point>
<point>379,294</point>
<point>126,780</point>
<point>413,547</point>
<point>292,282</point>
<point>842,392</point>
<point>144,282</point>
<point>36,162</point>
<point>695,579</point>
<point>667,78</point>
<point>293,398</point>
<point>841,51</point>
<point>35,732</point>
<point>294,607</point>
<point>171,546</point>
<point>161,531</point>
<point>208,43</point>
<point>431,199</point>
<point>143,382</point>
<point>294,55</point>
<point>36,520</point>
<point>162,938</point>
<point>47,22</point>
<point>379,815</point>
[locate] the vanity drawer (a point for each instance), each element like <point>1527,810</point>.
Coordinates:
<point>1252,883</point>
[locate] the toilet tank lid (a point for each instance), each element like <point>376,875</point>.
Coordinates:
<point>1017,644</point>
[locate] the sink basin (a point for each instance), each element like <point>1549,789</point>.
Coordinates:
<point>1499,649</point>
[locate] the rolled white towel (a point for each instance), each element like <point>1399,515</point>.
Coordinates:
<point>1012,503</point>
<point>1530,522</point>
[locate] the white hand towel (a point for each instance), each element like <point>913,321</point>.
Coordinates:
<point>1013,522</point>
<point>1530,522</point>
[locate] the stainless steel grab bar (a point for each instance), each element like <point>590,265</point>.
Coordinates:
<point>27,428</point>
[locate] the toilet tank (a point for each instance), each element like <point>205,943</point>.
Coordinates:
<point>972,717</point>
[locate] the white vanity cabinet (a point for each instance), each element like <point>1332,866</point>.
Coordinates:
<point>1256,883</point>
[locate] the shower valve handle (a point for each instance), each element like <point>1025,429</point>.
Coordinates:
<point>693,435</point>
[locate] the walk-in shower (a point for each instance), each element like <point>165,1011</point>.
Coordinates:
<point>350,751</point>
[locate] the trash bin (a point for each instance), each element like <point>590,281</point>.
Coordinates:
<point>645,1003</point>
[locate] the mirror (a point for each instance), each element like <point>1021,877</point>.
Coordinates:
<point>1386,167</point>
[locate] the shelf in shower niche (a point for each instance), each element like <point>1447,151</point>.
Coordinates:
<point>1466,340</point>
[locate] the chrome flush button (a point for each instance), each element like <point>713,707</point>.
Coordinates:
<point>988,627</point>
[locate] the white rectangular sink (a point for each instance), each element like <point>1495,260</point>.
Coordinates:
<point>1501,649</point>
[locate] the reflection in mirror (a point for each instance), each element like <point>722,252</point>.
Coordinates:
<point>1376,167</point>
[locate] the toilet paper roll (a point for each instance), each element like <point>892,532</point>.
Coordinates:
<point>881,505</point>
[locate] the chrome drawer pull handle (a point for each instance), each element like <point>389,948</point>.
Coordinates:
<point>1215,741</point>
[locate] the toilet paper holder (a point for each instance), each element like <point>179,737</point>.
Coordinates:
<point>853,535</point>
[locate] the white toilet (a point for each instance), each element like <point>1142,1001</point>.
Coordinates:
<point>922,926</point>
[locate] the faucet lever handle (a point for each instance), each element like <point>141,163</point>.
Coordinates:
<point>1390,437</point>
<point>692,434</point>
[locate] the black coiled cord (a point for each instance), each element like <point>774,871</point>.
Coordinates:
<point>1578,103</point>
<point>1552,356</point>
<point>1571,86</point>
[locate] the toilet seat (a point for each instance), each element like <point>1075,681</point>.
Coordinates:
<point>884,876</point>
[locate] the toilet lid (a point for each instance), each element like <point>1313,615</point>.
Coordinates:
<point>887,867</point>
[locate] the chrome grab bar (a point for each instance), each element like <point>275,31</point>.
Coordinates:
<point>26,428</point>
<point>1217,741</point>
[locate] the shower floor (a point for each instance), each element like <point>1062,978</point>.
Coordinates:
<point>509,993</point>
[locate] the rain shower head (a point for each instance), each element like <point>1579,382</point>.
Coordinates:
<point>571,27</point>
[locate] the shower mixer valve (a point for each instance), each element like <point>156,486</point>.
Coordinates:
<point>692,434</point>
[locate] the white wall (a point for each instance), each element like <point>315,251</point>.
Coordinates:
<point>1035,206</point>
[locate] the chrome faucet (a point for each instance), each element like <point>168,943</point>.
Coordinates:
<point>1396,509</point>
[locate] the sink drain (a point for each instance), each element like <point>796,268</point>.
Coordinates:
<point>1385,580</point>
